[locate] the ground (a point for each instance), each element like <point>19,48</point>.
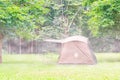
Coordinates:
<point>45,67</point>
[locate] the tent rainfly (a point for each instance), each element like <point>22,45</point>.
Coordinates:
<point>75,50</point>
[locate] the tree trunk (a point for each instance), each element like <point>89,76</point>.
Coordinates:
<point>20,45</point>
<point>116,45</point>
<point>31,47</point>
<point>1,37</point>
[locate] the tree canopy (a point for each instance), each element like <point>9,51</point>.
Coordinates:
<point>65,18</point>
<point>104,17</point>
<point>22,17</point>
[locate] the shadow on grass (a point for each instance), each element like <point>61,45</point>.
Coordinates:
<point>108,57</point>
<point>110,60</point>
<point>19,62</point>
<point>30,62</point>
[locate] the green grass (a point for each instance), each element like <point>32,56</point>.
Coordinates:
<point>45,67</point>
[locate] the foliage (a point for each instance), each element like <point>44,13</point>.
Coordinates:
<point>65,18</point>
<point>104,17</point>
<point>21,16</point>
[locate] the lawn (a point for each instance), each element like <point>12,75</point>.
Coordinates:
<point>45,67</point>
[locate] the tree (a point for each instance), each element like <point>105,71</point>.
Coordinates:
<point>104,18</point>
<point>21,18</point>
<point>65,17</point>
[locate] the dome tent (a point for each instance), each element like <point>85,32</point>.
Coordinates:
<point>75,50</point>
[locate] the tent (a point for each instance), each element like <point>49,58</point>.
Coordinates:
<point>75,50</point>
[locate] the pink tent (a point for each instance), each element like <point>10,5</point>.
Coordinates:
<point>75,50</point>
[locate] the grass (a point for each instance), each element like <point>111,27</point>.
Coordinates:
<point>45,67</point>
